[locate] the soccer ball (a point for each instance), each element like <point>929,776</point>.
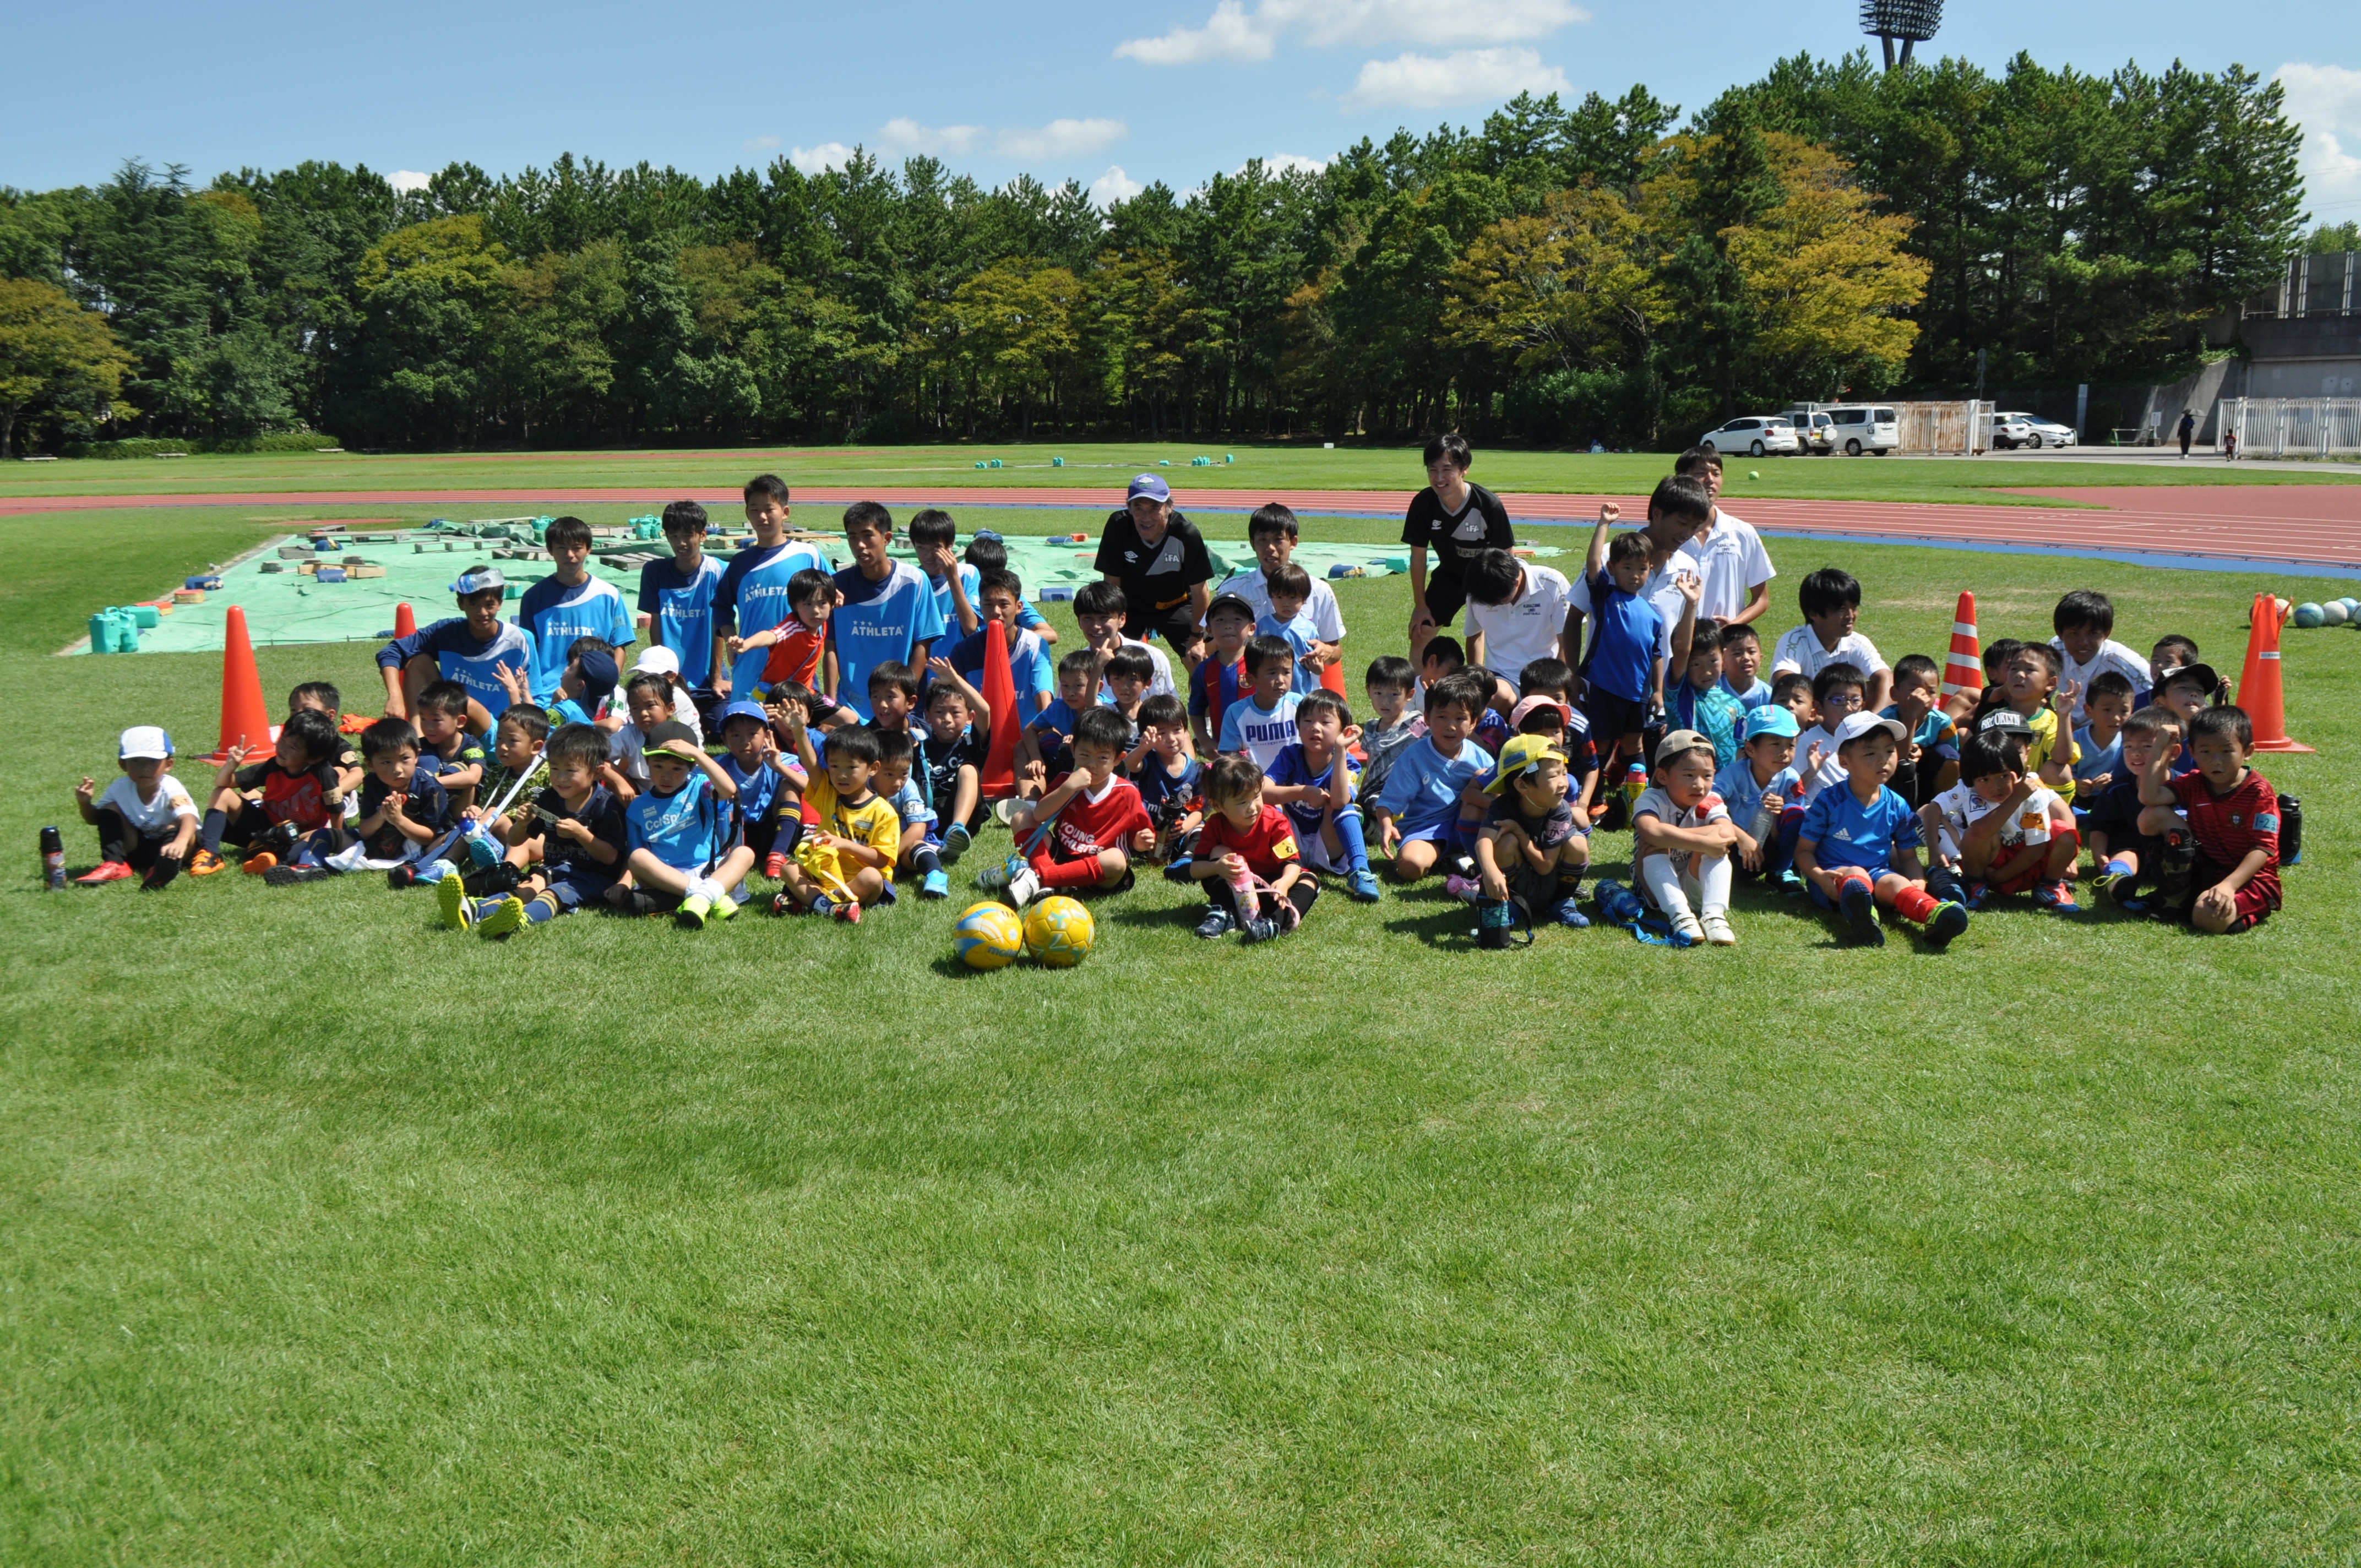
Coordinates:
<point>988,937</point>
<point>1058,933</point>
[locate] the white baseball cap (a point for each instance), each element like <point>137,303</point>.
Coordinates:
<point>1857,725</point>
<point>143,741</point>
<point>656,660</point>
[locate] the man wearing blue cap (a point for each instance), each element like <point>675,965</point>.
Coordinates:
<point>469,648</point>
<point>1158,559</point>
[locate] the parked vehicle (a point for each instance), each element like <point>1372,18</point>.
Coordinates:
<point>1755,436</point>
<point>1814,429</point>
<point>2050,432</point>
<point>2010,431</point>
<point>1864,427</point>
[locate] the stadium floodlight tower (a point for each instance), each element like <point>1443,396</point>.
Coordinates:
<point>1912,21</point>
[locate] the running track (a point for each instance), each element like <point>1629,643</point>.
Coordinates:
<point>2312,529</point>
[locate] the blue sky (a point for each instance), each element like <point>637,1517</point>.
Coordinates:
<point>1112,94</point>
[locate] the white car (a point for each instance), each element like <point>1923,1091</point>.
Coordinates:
<point>2050,432</point>
<point>1755,436</point>
<point>2012,430</point>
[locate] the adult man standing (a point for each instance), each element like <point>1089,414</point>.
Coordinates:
<point>1460,522</point>
<point>1158,559</point>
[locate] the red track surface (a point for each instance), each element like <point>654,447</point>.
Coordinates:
<point>2296,524</point>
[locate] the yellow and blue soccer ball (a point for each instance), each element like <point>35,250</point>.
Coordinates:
<point>1058,933</point>
<point>988,937</point>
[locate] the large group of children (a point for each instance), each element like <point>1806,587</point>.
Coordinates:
<point>828,730</point>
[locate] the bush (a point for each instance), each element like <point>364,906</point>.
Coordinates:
<point>158,445</point>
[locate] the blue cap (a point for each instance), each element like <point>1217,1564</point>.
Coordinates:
<point>599,672</point>
<point>983,533</point>
<point>477,579</point>
<point>753,711</point>
<point>1771,718</point>
<point>1152,486</point>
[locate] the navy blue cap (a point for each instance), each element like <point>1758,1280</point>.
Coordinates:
<point>1152,486</point>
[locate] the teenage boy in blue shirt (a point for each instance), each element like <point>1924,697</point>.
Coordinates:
<point>886,614</point>
<point>752,596</point>
<point>470,648</point>
<point>676,595</point>
<point>567,604</point>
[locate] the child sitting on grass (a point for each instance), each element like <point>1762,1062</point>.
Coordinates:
<point>516,752</point>
<point>851,836</point>
<point>2221,871</point>
<point>1079,835</point>
<point>1169,780</point>
<point>1246,859</point>
<point>147,820</point>
<point>1418,814</point>
<point>1859,847</point>
<point>1264,724</point>
<point>1764,795</point>
<point>952,753</point>
<point>1681,841</point>
<point>2125,857</point>
<point>1532,847</point>
<point>445,750</point>
<point>1998,830</point>
<point>1701,703</point>
<point>684,856</point>
<point>1313,782</point>
<point>917,850</point>
<point>770,785</point>
<point>574,827</point>
<point>321,696</point>
<point>404,810</point>
<point>1930,762</point>
<point>271,805</point>
<point>1045,747</point>
<point>2099,744</point>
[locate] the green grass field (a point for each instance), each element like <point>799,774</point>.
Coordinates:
<point>1101,466</point>
<point>333,1236</point>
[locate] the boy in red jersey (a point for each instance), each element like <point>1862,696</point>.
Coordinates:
<point>2221,868</point>
<point>1081,835</point>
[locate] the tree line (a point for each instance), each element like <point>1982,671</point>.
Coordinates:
<point>1602,271</point>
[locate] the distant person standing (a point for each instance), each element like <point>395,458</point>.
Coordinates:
<point>1460,522</point>
<point>2188,429</point>
<point>1158,559</point>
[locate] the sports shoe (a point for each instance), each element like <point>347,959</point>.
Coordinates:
<point>258,862</point>
<point>1178,871</point>
<point>1977,895</point>
<point>1263,930</point>
<point>2057,895</point>
<point>1687,932</point>
<point>1006,811</point>
<point>289,876</point>
<point>786,903</point>
<point>1362,887</point>
<point>1568,912</point>
<point>1948,920</point>
<point>1716,928</point>
<point>104,872</point>
<point>935,885</point>
<point>1791,883</point>
<point>158,875</point>
<point>1859,906</point>
<point>1024,885</point>
<point>1217,923</point>
<point>776,866</point>
<point>2115,887</point>
<point>690,915</point>
<point>452,899</point>
<point>992,879</point>
<point>204,862</point>
<point>724,908</point>
<point>955,843</point>
<point>507,917</point>
<point>1463,888</point>
<point>848,912</point>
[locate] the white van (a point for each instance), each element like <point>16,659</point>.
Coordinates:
<point>1864,427</point>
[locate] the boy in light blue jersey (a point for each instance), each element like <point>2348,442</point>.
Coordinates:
<point>771,784</point>
<point>958,585</point>
<point>1263,724</point>
<point>987,551</point>
<point>1418,811</point>
<point>470,648</point>
<point>887,613</point>
<point>1699,702</point>
<point>1741,666</point>
<point>2099,744</point>
<point>676,595</point>
<point>1289,588</point>
<point>567,604</point>
<point>921,854</point>
<point>752,596</point>
<point>682,845</point>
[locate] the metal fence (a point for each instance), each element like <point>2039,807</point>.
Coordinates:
<point>2305,427</point>
<point>1962,428</point>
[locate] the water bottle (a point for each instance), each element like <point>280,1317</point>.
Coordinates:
<point>482,848</point>
<point>53,859</point>
<point>1766,822</point>
<point>1619,903</point>
<point>1635,784</point>
<point>2290,831</point>
<point>1242,888</point>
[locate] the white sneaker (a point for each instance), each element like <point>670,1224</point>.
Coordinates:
<point>1717,929</point>
<point>1024,887</point>
<point>1686,932</point>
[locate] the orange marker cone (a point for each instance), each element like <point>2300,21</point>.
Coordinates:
<point>244,716</point>
<point>1331,676</point>
<point>405,623</point>
<point>999,696</point>
<point>1963,669</point>
<point>2259,691</point>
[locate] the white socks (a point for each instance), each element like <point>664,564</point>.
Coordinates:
<point>1670,891</point>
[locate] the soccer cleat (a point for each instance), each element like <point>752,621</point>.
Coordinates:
<point>992,879</point>
<point>1024,885</point>
<point>955,843</point>
<point>1260,930</point>
<point>452,899</point>
<point>1947,921</point>
<point>724,908</point>
<point>158,875</point>
<point>848,912</point>
<point>204,862</point>
<point>2118,888</point>
<point>1977,895</point>
<point>258,862</point>
<point>1716,928</point>
<point>1859,906</point>
<point>1462,888</point>
<point>1791,883</point>
<point>690,915</point>
<point>290,876</point>
<point>2057,895</point>
<point>492,880</point>
<point>507,917</point>
<point>1362,887</point>
<point>775,866</point>
<point>1568,912</point>
<point>104,872</point>
<point>1217,923</point>
<point>786,903</point>
<point>935,885</point>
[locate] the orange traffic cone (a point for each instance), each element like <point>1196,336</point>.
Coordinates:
<point>1332,677</point>
<point>244,716</point>
<point>405,623</point>
<point>2259,690</point>
<point>1963,669</point>
<point>999,696</point>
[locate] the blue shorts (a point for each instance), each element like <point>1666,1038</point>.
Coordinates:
<point>571,889</point>
<point>1444,829</point>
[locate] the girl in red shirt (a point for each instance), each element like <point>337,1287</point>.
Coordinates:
<point>1245,857</point>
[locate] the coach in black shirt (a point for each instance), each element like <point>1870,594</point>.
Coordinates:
<point>1459,521</point>
<point>1158,559</point>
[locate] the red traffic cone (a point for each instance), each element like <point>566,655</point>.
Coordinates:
<point>244,716</point>
<point>999,696</point>
<point>405,623</point>
<point>1332,677</point>
<point>1963,668</point>
<point>2260,690</point>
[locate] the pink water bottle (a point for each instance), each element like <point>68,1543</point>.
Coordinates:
<point>1242,888</point>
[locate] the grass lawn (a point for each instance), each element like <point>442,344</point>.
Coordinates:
<point>1104,466</point>
<point>333,1236</point>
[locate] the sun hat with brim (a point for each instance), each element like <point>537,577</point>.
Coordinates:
<point>1520,755</point>
<point>753,711</point>
<point>478,580</point>
<point>146,742</point>
<point>656,660</point>
<point>1676,742</point>
<point>1531,705</point>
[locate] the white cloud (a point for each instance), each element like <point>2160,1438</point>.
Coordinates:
<point>1232,34</point>
<point>761,144</point>
<point>1061,138</point>
<point>408,179</point>
<point>2326,100</point>
<point>1463,76</point>
<point>827,155</point>
<point>910,135</point>
<point>1291,163</point>
<point>1114,186</point>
